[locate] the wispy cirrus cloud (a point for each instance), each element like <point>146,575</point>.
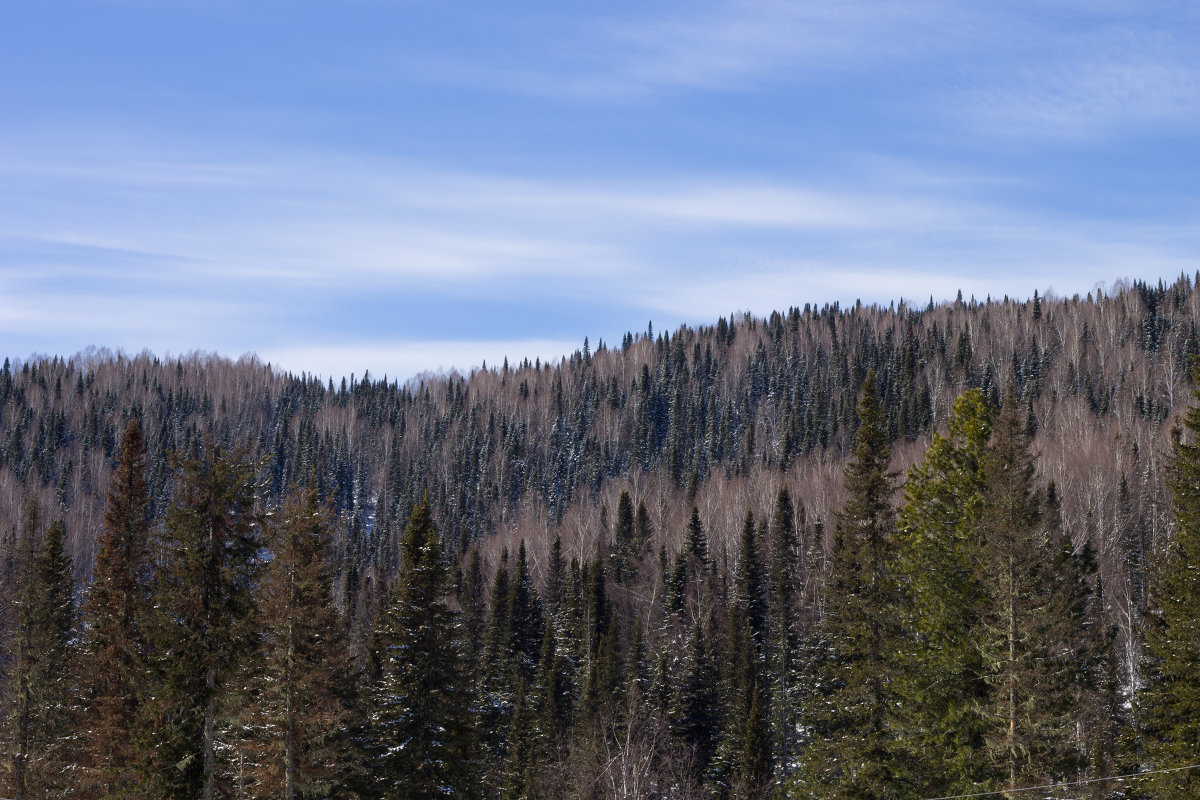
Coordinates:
<point>1061,70</point>
<point>728,45</point>
<point>1107,80</point>
<point>311,258</point>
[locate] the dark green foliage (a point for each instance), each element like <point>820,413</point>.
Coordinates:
<point>472,604</point>
<point>642,527</point>
<point>41,662</point>
<point>784,637</point>
<point>201,630</point>
<point>577,697</point>
<point>857,752</point>
<point>1007,631</point>
<point>1169,708</point>
<point>750,585</point>
<point>1036,601</point>
<point>554,695</point>
<point>421,736</point>
<point>753,780</point>
<point>697,540</point>
<point>302,700</point>
<point>525,619</point>
<point>114,647</point>
<point>695,712</point>
<point>624,539</point>
<point>942,547</point>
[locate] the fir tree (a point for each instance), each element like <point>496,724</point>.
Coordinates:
<point>554,579</point>
<point>1034,603</point>
<point>697,540</point>
<point>1169,707</point>
<point>23,657</point>
<point>624,536</point>
<point>421,732</point>
<point>784,641</point>
<point>114,646</point>
<point>471,601</point>
<point>302,698</point>
<point>754,770</point>
<point>38,702</point>
<point>525,619</point>
<point>54,687</point>
<point>202,628</point>
<point>643,529</point>
<point>857,753</point>
<point>695,712</point>
<point>942,552</point>
<point>751,586</point>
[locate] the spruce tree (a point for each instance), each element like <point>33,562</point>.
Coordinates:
<point>784,642</point>
<point>1035,601</point>
<point>114,645</point>
<point>697,540</point>
<point>525,620</point>
<point>643,529</point>
<point>471,602</point>
<point>40,669</point>
<point>421,731</point>
<point>857,753</point>
<point>750,585</point>
<point>624,536</point>
<point>302,698</point>
<point>202,628</point>
<point>942,553</point>
<point>497,685</point>
<point>54,682</point>
<point>22,656</point>
<point>1169,706</point>
<point>754,780</point>
<point>696,711</point>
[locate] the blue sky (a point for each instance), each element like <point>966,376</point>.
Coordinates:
<point>409,186</point>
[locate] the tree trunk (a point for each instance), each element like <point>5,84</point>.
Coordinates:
<point>209,750</point>
<point>289,744</point>
<point>1012,676</point>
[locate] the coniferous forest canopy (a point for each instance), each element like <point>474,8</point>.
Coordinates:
<point>920,551</point>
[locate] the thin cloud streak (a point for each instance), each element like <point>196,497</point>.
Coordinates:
<point>209,268</point>
<point>1028,71</point>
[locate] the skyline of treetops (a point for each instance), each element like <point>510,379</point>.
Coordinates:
<point>862,552</point>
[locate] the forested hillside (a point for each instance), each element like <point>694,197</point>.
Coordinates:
<point>845,552</point>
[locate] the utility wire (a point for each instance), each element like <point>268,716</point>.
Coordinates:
<point>1130,776</point>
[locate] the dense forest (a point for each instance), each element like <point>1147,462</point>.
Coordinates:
<point>920,551</point>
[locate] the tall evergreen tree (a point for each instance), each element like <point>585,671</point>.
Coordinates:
<point>624,536</point>
<point>471,602</point>
<point>54,687</point>
<point>697,539</point>
<point>696,709</point>
<point>422,721</point>
<point>750,585</point>
<point>857,753</point>
<point>942,552</point>
<point>1034,604</point>
<point>1169,707</point>
<point>784,642</point>
<point>525,619</point>
<point>202,628</point>
<point>114,646</point>
<point>38,704</point>
<point>754,781</point>
<point>302,696</point>
<point>23,657</point>
<point>643,529</point>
